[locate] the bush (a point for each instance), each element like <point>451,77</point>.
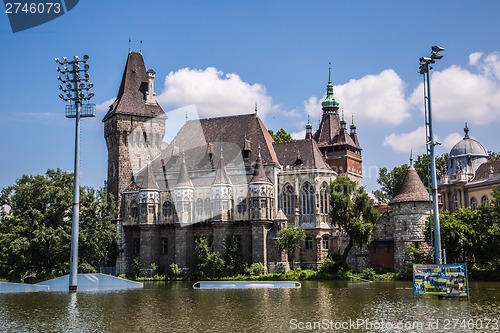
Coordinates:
<point>86,268</point>
<point>256,268</point>
<point>327,266</point>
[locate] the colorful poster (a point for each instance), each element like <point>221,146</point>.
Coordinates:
<point>443,280</point>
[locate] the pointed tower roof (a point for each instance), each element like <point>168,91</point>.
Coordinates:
<point>412,189</point>
<point>183,179</point>
<point>329,104</point>
<point>149,181</point>
<point>259,174</point>
<point>131,98</point>
<point>221,177</point>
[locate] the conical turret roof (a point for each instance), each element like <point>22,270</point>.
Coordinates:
<point>183,179</point>
<point>412,189</point>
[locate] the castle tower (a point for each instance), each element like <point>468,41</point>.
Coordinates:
<point>183,194</point>
<point>261,195</point>
<point>341,151</point>
<point>134,126</point>
<point>410,209</point>
<point>222,193</point>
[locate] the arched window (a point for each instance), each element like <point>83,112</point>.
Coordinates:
<point>325,242</point>
<point>307,199</point>
<point>288,200</point>
<point>167,209</point>
<point>199,206</point>
<point>323,198</point>
<point>134,212</point>
<point>484,200</point>
<point>207,206</point>
<point>473,203</point>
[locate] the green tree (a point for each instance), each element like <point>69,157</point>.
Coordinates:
<point>36,235</point>
<point>233,257</point>
<point>281,135</point>
<point>390,182</point>
<point>209,263</point>
<point>493,156</point>
<point>289,241</point>
<point>352,212</point>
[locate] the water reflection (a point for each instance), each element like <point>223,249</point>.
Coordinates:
<point>176,307</point>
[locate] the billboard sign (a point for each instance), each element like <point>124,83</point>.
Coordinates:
<point>441,280</point>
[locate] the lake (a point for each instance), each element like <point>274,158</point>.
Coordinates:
<point>326,306</point>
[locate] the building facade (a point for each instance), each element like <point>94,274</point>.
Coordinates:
<point>218,178</point>
<point>470,177</point>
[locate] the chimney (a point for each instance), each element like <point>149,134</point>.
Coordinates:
<point>150,94</point>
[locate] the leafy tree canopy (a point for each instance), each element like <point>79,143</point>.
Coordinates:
<point>352,212</point>
<point>281,135</point>
<point>35,235</point>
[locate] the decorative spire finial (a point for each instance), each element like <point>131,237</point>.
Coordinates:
<point>466,130</point>
<point>129,41</point>
<point>256,108</point>
<point>330,72</point>
<point>411,157</point>
<point>140,48</point>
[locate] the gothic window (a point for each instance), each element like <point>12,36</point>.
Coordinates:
<point>151,210</point>
<point>207,206</point>
<point>242,205</point>
<point>143,209</point>
<point>309,243</point>
<point>473,203</point>
<point>199,206</point>
<point>307,199</point>
<point>225,205</point>
<point>325,242</point>
<point>484,200</point>
<point>455,201</point>
<point>167,209</point>
<point>323,198</point>
<point>288,200</point>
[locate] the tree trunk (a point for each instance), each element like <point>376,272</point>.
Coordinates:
<point>349,246</point>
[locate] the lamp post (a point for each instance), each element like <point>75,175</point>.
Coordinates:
<point>75,89</point>
<point>425,67</point>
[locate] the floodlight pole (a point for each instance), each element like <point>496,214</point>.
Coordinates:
<point>424,69</point>
<point>76,92</point>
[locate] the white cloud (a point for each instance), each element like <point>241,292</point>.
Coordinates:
<point>373,98</point>
<point>461,94</point>
<point>104,106</point>
<point>405,142</point>
<point>474,58</point>
<point>451,139</point>
<point>214,93</point>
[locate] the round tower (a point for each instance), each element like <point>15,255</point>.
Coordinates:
<point>410,209</point>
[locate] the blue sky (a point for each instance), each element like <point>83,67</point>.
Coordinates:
<point>224,56</point>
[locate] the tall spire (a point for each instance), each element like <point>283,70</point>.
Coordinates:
<point>259,173</point>
<point>221,177</point>
<point>329,105</point>
<point>308,129</point>
<point>411,157</point>
<point>183,179</point>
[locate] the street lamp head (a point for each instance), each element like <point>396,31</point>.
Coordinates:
<point>57,60</point>
<point>76,58</point>
<point>85,57</point>
<point>436,48</point>
<point>436,56</point>
<point>65,59</point>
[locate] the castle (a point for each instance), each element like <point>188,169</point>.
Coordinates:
<point>222,177</point>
